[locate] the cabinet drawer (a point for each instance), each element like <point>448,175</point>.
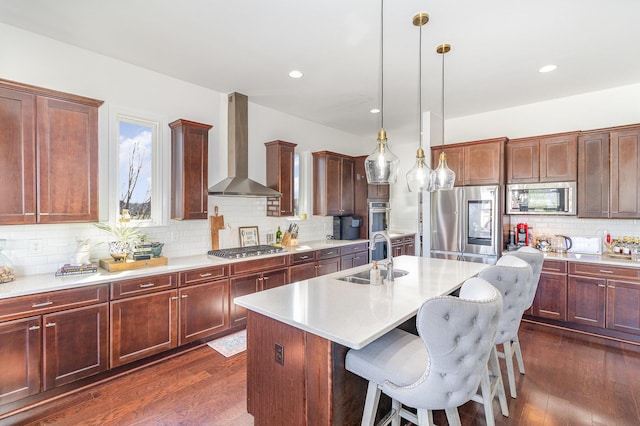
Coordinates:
<point>196,276</point>
<point>22,306</point>
<point>605,271</point>
<point>259,265</point>
<point>355,248</point>
<point>328,253</point>
<point>143,285</point>
<point>307,256</point>
<point>557,266</point>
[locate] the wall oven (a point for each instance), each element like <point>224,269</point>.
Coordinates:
<point>378,221</point>
<point>556,198</point>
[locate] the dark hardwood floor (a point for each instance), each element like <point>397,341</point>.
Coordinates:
<point>571,379</point>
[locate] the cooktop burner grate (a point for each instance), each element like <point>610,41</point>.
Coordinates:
<point>240,252</point>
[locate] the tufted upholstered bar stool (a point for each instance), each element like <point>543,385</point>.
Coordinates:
<point>535,258</point>
<point>513,277</point>
<point>441,368</point>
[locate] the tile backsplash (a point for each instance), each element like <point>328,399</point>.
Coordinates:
<point>575,227</point>
<point>43,248</point>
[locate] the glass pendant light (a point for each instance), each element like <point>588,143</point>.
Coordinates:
<point>420,178</point>
<point>443,177</point>
<point>382,165</point>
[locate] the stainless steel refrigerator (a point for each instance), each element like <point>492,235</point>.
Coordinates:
<point>465,223</point>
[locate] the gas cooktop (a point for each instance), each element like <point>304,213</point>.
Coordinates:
<point>240,252</point>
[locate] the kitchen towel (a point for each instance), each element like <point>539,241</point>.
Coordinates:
<point>230,345</point>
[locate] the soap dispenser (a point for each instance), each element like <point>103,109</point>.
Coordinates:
<point>374,275</point>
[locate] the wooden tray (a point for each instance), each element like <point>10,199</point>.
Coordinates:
<point>113,266</point>
<point>618,255</point>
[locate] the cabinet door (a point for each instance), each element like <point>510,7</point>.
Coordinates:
<point>273,279</point>
<point>142,326</point>
<point>334,181</point>
<point>327,266</point>
<point>67,135</point>
<point>593,175</point>
<point>623,306</point>
<point>625,173</point>
<point>301,272</point>
<point>410,246</point>
<point>241,286</point>
<point>204,310</point>
<point>483,163</point>
<point>75,344</point>
<point>17,158</point>
<point>280,162</point>
<point>20,349</point>
<point>189,171</point>
<point>347,187</point>
<point>586,301</point>
<point>455,161</point>
<point>551,297</point>
<point>352,260</point>
<point>558,158</point>
<point>523,160</point>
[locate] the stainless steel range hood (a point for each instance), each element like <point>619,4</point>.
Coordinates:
<point>238,183</point>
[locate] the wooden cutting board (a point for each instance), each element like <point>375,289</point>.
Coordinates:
<point>217,223</point>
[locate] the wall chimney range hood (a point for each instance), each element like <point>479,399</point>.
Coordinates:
<point>238,183</point>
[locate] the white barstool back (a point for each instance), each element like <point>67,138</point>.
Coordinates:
<point>442,367</point>
<point>535,259</point>
<point>513,277</point>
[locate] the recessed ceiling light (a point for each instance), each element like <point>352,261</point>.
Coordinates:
<point>375,111</point>
<point>295,74</point>
<point>548,68</point>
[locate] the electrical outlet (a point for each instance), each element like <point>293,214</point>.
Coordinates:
<point>35,246</point>
<point>279,349</point>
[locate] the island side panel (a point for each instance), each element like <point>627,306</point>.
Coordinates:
<point>275,392</point>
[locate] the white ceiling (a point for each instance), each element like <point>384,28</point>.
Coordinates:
<point>249,46</point>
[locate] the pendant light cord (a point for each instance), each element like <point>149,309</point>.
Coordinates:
<point>420,86</point>
<point>382,64</point>
<point>443,53</point>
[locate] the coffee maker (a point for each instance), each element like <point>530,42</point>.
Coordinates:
<point>522,235</point>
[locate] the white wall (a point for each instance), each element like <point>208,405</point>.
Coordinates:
<point>40,61</point>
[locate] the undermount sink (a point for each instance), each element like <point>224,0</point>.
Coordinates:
<point>363,277</point>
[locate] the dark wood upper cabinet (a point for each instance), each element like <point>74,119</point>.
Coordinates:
<point>625,173</point>
<point>333,184</point>
<point>593,175</point>
<point>189,169</point>
<point>48,155</point>
<point>551,158</point>
<point>474,163</point>
<point>280,162</point>
<point>609,173</point>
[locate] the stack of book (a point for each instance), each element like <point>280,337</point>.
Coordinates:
<point>68,269</point>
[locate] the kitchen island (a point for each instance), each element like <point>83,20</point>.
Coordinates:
<point>298,336</point>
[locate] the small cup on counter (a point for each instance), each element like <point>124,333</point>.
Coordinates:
<point>635,254</point>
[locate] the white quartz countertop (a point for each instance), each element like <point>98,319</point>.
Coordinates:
<point>33,284</point>
<point>352,314</point>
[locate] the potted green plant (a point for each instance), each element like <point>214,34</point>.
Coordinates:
<point>126,237</point>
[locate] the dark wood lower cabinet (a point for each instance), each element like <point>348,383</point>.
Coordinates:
<point>75,344</point>
<point>248,284</point>
<point>623,306</point>
<point>142,326</point>
<point>586,301</point>
<point>203,310</point>
<point>20,347</point>
<point>352,260</point>
<point>551,297</point>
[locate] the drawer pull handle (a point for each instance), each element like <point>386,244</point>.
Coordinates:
<point>304,257</point>
<point>174,298</point>
<point>612,286</point>
<point>147,285</point>
<point>208,274</point>
<point>266,278</point>
<point>184,296</point>
<point>606,271</point>
<point>602,285</point>
<point>50,324</point>
<point>40,305</point>
<point>34,327</point>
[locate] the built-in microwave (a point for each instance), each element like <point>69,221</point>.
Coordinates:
<point>557,198</point>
